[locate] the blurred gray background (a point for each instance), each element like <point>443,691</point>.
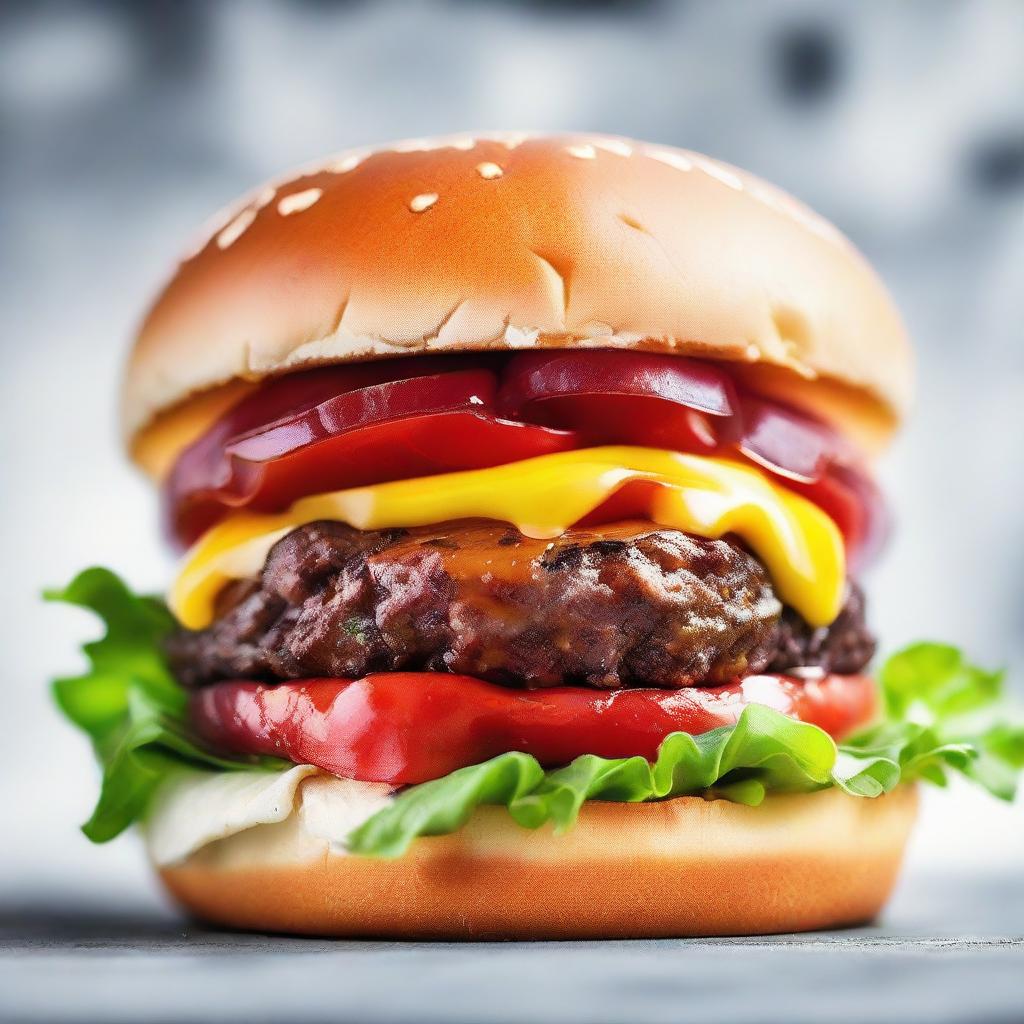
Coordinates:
<point>124,125</point>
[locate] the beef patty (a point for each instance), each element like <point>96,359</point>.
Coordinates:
<point>631,604</point>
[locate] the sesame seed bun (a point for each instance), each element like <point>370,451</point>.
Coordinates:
<point>682,867</point>
<point>508,242</point>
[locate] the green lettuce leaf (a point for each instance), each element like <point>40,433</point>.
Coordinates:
<point>942,715</point>
<point>949,714</point>
<point>763,751</point>
<point>129,704</point>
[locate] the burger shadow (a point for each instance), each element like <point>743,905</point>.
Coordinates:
<point>43,928</point>
<point>31,924</point>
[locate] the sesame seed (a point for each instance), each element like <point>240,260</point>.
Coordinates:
<point>720,173</point>
<point>465,143</point>
<point>236,228</point>
<point>671,159</point>
<point>299,201</point>
<point>422,202</point>
<point>584,152</point>
<point>507,139</point>
<point>415,146</point>
<point>616,146</point>
<point>347,163</point>
<point>489,170</point>
<point>266,197</point>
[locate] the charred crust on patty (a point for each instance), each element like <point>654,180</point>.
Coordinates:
<point>631,604</point>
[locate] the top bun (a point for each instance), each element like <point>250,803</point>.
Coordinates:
<point>514,241</point>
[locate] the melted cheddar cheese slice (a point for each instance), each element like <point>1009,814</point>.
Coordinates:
<point>542,497</point>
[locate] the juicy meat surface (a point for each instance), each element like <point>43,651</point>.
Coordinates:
<point>846,645</point>
<point>631,604</point>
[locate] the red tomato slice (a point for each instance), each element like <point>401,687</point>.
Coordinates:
<point>667,402</point>
<point>790,443</point>
<point>633,419</point>
<point>536,377</point>
<point>385,431</point>
<point>405,728</point>
<point>623,397</point>
<point>367,423</point>
<point>281,397</point>
<point>362,407</point>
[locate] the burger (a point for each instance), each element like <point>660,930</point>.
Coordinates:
<point>522,486</point>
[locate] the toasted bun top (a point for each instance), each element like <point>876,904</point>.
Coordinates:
<point>513,241</point>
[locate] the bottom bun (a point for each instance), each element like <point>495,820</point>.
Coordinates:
<point>683,867</point>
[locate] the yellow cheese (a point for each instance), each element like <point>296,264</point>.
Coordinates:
<point>800,545</point>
